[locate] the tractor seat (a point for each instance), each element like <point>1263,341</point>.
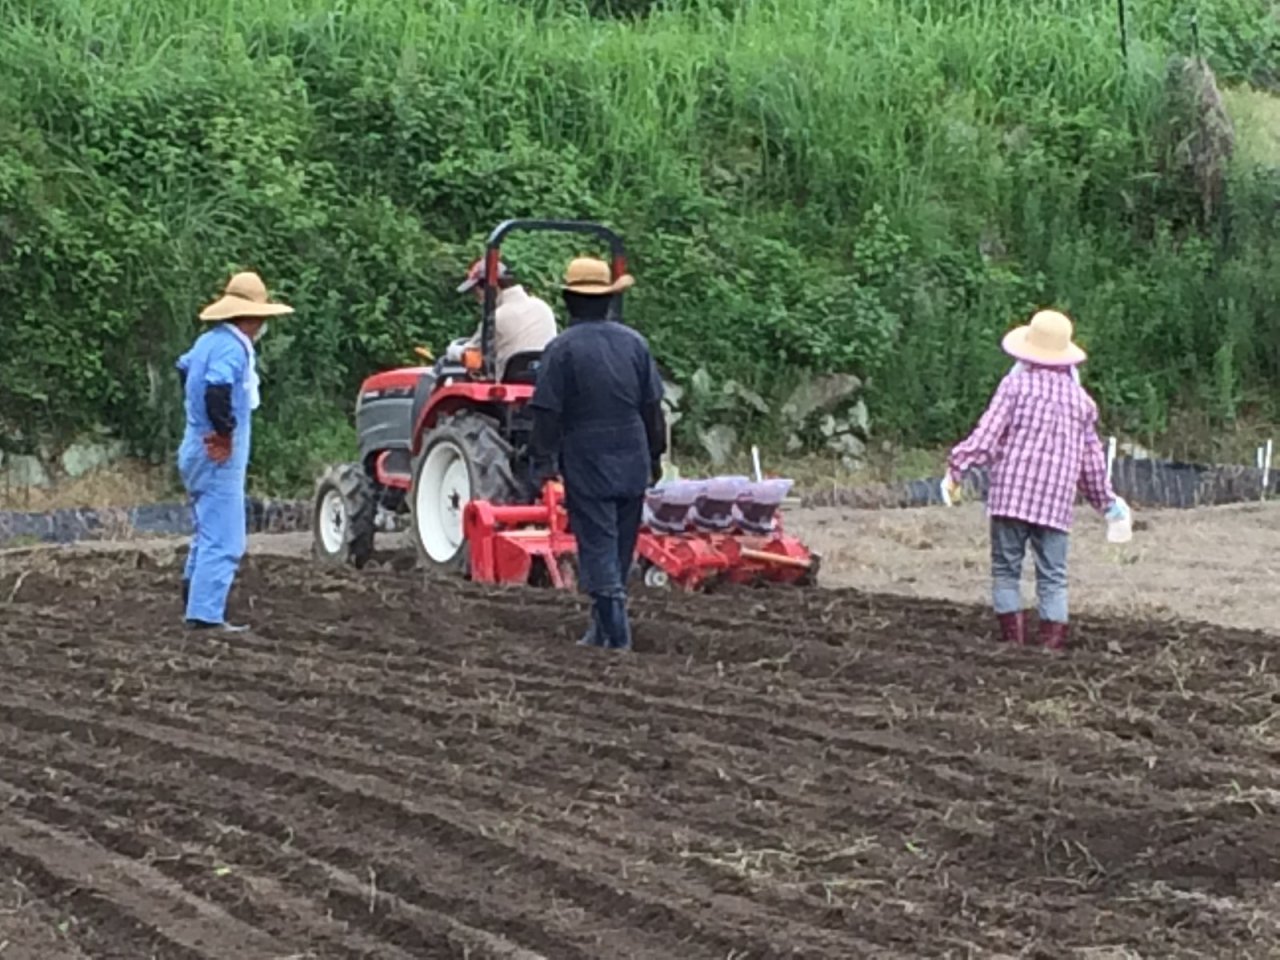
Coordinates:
<point>522,367</point>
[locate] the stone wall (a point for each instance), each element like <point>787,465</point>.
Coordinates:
<point>156,519</point>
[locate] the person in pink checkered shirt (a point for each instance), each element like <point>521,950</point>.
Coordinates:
<point>1039,437</point>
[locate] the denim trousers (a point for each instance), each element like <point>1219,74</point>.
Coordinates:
<point>1009,540</point>
<point>606,531</point>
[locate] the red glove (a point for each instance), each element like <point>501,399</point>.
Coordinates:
<point>218,446</point>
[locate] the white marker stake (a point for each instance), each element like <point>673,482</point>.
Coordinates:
<point>669,469</point>
<point>1266,470</point>
<point>1111,456</point>
<point>755,462</point>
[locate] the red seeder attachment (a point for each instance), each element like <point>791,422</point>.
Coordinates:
<point>695,533</point>
<point>691,560</point>
<point>503,540</point>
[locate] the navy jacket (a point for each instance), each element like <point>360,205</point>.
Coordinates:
<point>598,406</point>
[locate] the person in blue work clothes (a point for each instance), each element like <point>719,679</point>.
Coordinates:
<point>220,388</point>
<point>598,411</point>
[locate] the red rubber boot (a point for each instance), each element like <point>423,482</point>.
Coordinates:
<point>1013,627</point>
<point>1053,635</point>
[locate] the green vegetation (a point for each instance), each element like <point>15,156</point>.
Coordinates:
<point>875,186</point>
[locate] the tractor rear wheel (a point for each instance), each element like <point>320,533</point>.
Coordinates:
<point>344,519</point>
<point>464,458</point>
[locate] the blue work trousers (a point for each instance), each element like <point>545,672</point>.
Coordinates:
<point>606,532</point>
<point>1009,540</point>
<point>218,540</point>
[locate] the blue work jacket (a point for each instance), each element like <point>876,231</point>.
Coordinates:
<point>218,357</point>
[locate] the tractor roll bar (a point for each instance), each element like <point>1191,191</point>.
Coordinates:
<point>618,266</point>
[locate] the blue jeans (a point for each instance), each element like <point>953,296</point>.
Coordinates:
<point>1009,549</point>
<point>606,532</point>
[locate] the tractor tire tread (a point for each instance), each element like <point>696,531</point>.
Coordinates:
<point>489,456</point>
<point>358,493</point>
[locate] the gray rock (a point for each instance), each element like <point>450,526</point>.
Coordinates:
<point>672,394</point>
<point>817,395</point>
<point>25,471</point>
<point>79,458</point>
<point>851,451</point>
<point>860,419</point>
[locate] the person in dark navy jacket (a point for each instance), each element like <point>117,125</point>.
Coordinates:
<point>598,416</point>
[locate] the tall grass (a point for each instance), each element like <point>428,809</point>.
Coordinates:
<point>808,185</point>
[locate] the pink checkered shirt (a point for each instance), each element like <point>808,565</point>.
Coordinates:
<point>1039,436</point>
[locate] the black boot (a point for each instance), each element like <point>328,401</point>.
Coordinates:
<point>593,637</point>
<point>615,629</point>
<point>186,592</point>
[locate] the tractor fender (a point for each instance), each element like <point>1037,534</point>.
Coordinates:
<point>485,397</point>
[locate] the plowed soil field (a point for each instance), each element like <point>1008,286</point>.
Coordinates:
<point>390,770</point>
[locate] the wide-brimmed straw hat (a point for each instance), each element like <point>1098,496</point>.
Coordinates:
<point>245,296</point>
<point>1045,341</point>
<point>592,277</point>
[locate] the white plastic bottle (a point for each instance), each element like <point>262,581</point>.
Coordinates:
<point>1120,529</point>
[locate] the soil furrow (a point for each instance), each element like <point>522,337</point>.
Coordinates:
<point>393,768</point>
<point>188,925</point>
<point>262,836</point>
<point>472,833</point>
<point>318,912</point>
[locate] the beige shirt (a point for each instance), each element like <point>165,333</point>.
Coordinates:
<point>520,323</point>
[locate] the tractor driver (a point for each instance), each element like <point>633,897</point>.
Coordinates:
<point>521,322</point>
<point>598,411</point>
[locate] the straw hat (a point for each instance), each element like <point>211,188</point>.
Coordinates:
<point>245,296</point>
<point>593,277</point>
<point>1045,341</point>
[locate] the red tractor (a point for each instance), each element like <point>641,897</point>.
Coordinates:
<point>447,445</point>
<point>433,438</point>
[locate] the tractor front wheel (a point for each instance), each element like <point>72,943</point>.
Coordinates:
<point>464,458</point>
<point>344,519</point>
